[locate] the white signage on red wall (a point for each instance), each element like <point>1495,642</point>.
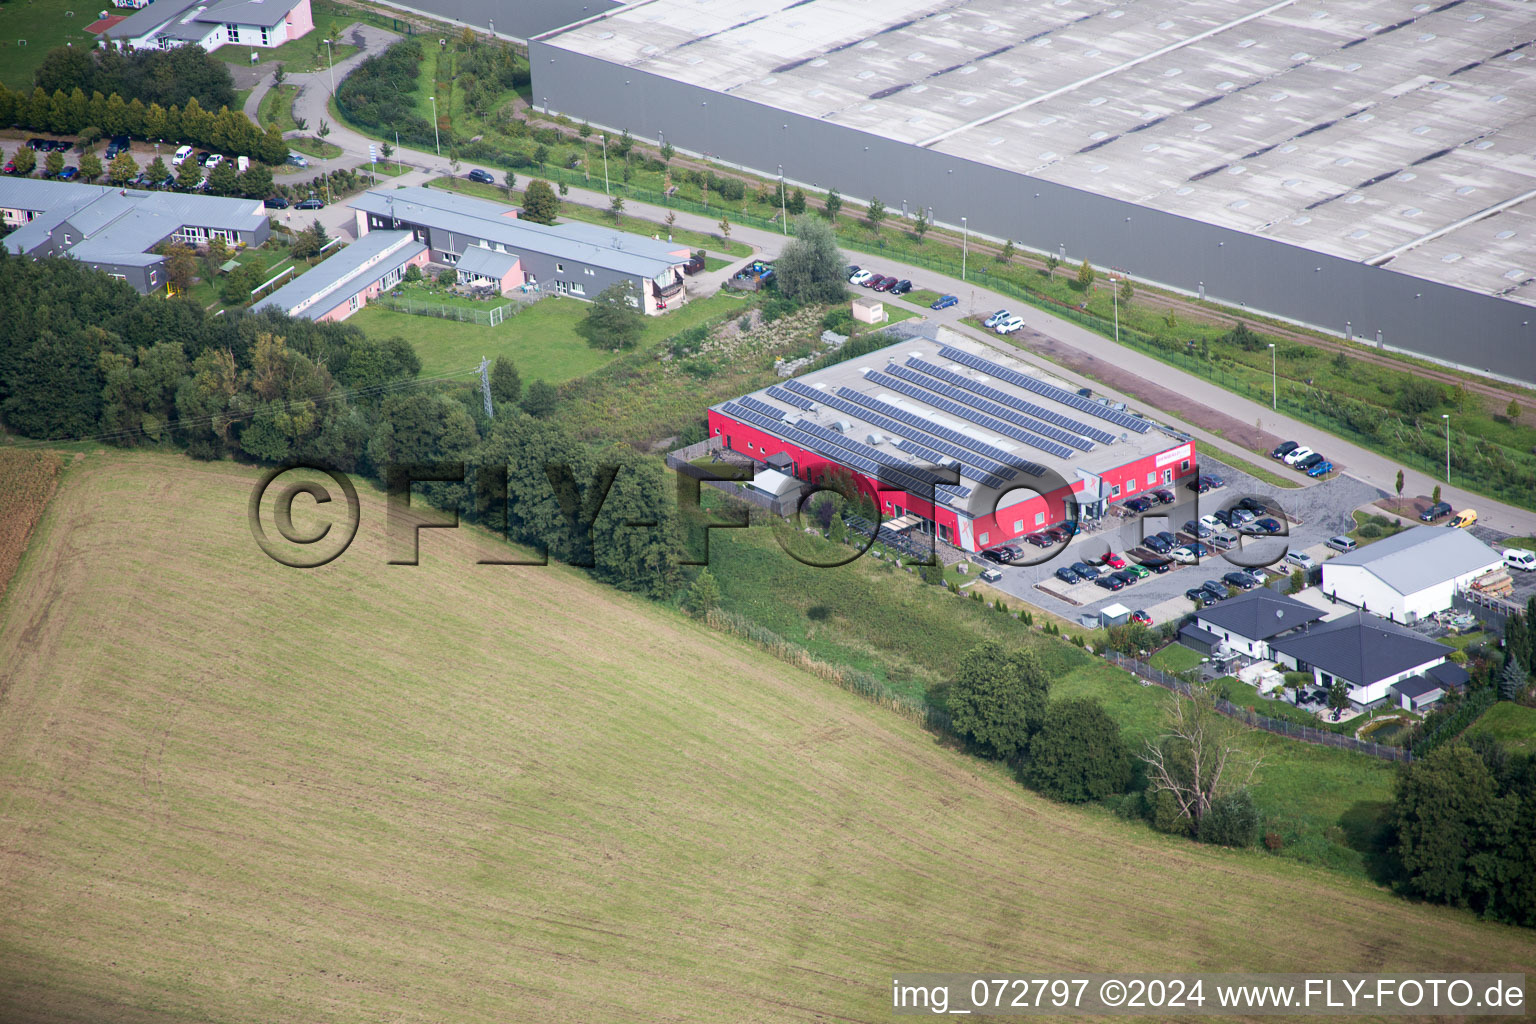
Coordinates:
<point>1173,455</point>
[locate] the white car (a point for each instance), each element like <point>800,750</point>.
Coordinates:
<point>1008,326</point>
<point>991,575</point>
<point>1296,456</point>
<point>1182,555</point>
<point>861,277</point>
<point>1215,524</point>
<point>1301,560</point>
<point>181,156</point>
<point>1525,561</point>
<point>215,160</point>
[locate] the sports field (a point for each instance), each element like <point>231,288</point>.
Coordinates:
<point>231,791</point>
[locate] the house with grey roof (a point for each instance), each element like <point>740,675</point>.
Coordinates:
<point>344,283</point>
<point>115,230</point>
<point>573,259</point>
<point>1409,575</point>
<point>1247,623</point>
<point>1369,654</point>
<point>1419,693</point>
<point>167,24</point>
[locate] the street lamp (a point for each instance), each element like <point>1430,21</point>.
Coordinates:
<point>965,245</point>
<point>605,166</point>
<point>329,58</point>
<point>1274,380</point>
<point>1446,417</point>
<point>435,136</point>
<point>783,204</point>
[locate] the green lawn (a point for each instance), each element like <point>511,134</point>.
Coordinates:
<point>277,106</point>
<point>311,146</point>
<point>712,263</point>
<point>1513,725</point>
<point>271,258</point>
<point>1176,658</point>
<point>307,53</point>
<point>592,215</point>
<point>541,340</point>
<point>30,28</point>
<point>922,297</point>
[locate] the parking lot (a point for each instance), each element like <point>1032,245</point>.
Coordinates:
<point>1323,510</point>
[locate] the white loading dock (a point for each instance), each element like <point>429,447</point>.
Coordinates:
<point>1410,575</point>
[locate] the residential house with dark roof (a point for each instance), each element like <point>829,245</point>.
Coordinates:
<point>1370,654</point>
<point>1420,692</point>
<point>1410,575</point>
<point>1247,623</point>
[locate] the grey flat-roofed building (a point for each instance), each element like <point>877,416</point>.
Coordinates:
<point>114,229</point>
<point>1412,574</point>
<point>344,283</point>
<point>1354,162</point>
<point>562,259</point>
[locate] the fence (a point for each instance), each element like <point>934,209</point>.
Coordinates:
<point>485,317</point>
<point>1247,716</point>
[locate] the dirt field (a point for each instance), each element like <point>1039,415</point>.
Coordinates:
<point>232,791</point>
<point>27,480</point>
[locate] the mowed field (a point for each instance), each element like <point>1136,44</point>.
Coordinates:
<point>232,791</point>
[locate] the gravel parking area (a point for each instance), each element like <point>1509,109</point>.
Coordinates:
<point>1323,510</point>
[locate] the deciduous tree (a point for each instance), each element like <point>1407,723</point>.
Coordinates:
<point>997,699</point>
<point>1078,754</point>
<point>810,267</point>
<point>1200,757</point>
<point>540,203</point>
<point>614,320</point>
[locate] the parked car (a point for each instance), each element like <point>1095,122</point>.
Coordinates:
<point>1194,529</point>
<point>1009,326</point>
<point>1203,483</point>
<point>1258,575</point>
<point>1212,523</point>
<point>1200,550</point>
<point>1322,468</point>
<point>1435,511</point>
<point>1085,571</point>
<point>180,156</point>
<point>38,145</point>
<point>885,284</point>
<point>996,318</point>
<point>1156,565</point>
<point>10,167</point>
<point>69,173</point>
<point>1141,618</point>
<point>1110,582</point>
<point>1066,575</point>
<point>275,203</point>
<point>1342,544</point>
<point>165,182</point>
<point>298,159</point>
<point>309,204</point>
<point>1137,570</point>
<point>944,302</point>
<point>901,287</point>
<point>851,269</point>
<point>990,575</point>
<point>1126,577</point>
<point>1515,558</point>
<point>1215,587</point>
<point>1039,540</point>
<point>998,555</point>
<point>1283,449</point>
<point>1168,536</point>
<point>484,177</point>
<point>118,144</point>
<point>1307,463</point>
<point>1139,505</point>
<point>1068,527</point>
<point>1463,519</point>
<point>1198,594</point>
<point>1212,596</point>
<point>860,276</point>
<point>203,156</point>
<point>1226,540</point>
<point>1242,515</point>
<point>1156,544</point>
<point>1263,526</point>
<point>1253,505</point>
<point>1058,534</point>
<point>1183,555</point>
<point>1295,455</point>
<point>1301,560</point>
<point>1113,560</point>
<point>1240,580</point>
<point>871,280</point>
<point>1165,496</point>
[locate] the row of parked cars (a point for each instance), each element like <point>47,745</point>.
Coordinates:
<point>877,282</point>
<point>1303,459</point>
<point>1003,322</point>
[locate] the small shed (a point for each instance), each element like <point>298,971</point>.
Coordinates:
<point>869,311</point>
<point>1114,615</point>
<point>773,483</point>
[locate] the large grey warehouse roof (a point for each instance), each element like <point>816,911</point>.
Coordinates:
<point>1422,557</point>
<point>1382,131</point>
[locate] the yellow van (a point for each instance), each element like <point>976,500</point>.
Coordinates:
<point>1465,518</point>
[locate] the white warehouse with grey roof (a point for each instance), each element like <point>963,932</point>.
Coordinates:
<point>1366,163</point>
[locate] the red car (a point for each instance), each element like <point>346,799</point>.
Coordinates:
<point>876,279</point>
<point>10,167</point>
<point>885,284</point>
<point>1141,617</point>
<point>1114,561</point>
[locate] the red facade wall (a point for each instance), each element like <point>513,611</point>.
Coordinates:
<point>759,444</point>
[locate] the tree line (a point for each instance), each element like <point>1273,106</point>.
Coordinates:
<point>167,77</point>
<point>96,115</point>
<point>83,355</point>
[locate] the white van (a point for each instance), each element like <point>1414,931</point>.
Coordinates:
<point>181,156</point>
<point>1525,561</point>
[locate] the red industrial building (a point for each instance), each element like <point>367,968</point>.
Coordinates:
<point>903,420</point>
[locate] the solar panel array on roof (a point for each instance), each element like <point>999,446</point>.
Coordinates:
<point>1061,451</point>
<point>1006,464</point>
<point>974,466</point>
<point>758,405</point>
<point>789,398</point>
<point>818,443</point>
<point>1050,415</point>
<point>1050,391</point>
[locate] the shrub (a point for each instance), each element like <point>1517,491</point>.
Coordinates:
<point>1370,531</point>
<point>1233,820</point>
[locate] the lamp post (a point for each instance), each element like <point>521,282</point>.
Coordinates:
<point>965,245</point>
<point>436,138</point>
<point>1274,379</point>
<point>330,59</point>
<point>783,204</point>
<point>605,166</point>
<point>1446,417</point>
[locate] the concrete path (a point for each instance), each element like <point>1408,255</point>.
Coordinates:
<point>1379,471</point>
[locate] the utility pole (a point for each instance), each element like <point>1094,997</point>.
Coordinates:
<point>965,245</point>
<point>1446,418</point>
<point>783,204</point>
<point>330,59</point>
<point>1274,380</point>
<point>436,138</point>
<point>605,165</point>
<point>485,386</point>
